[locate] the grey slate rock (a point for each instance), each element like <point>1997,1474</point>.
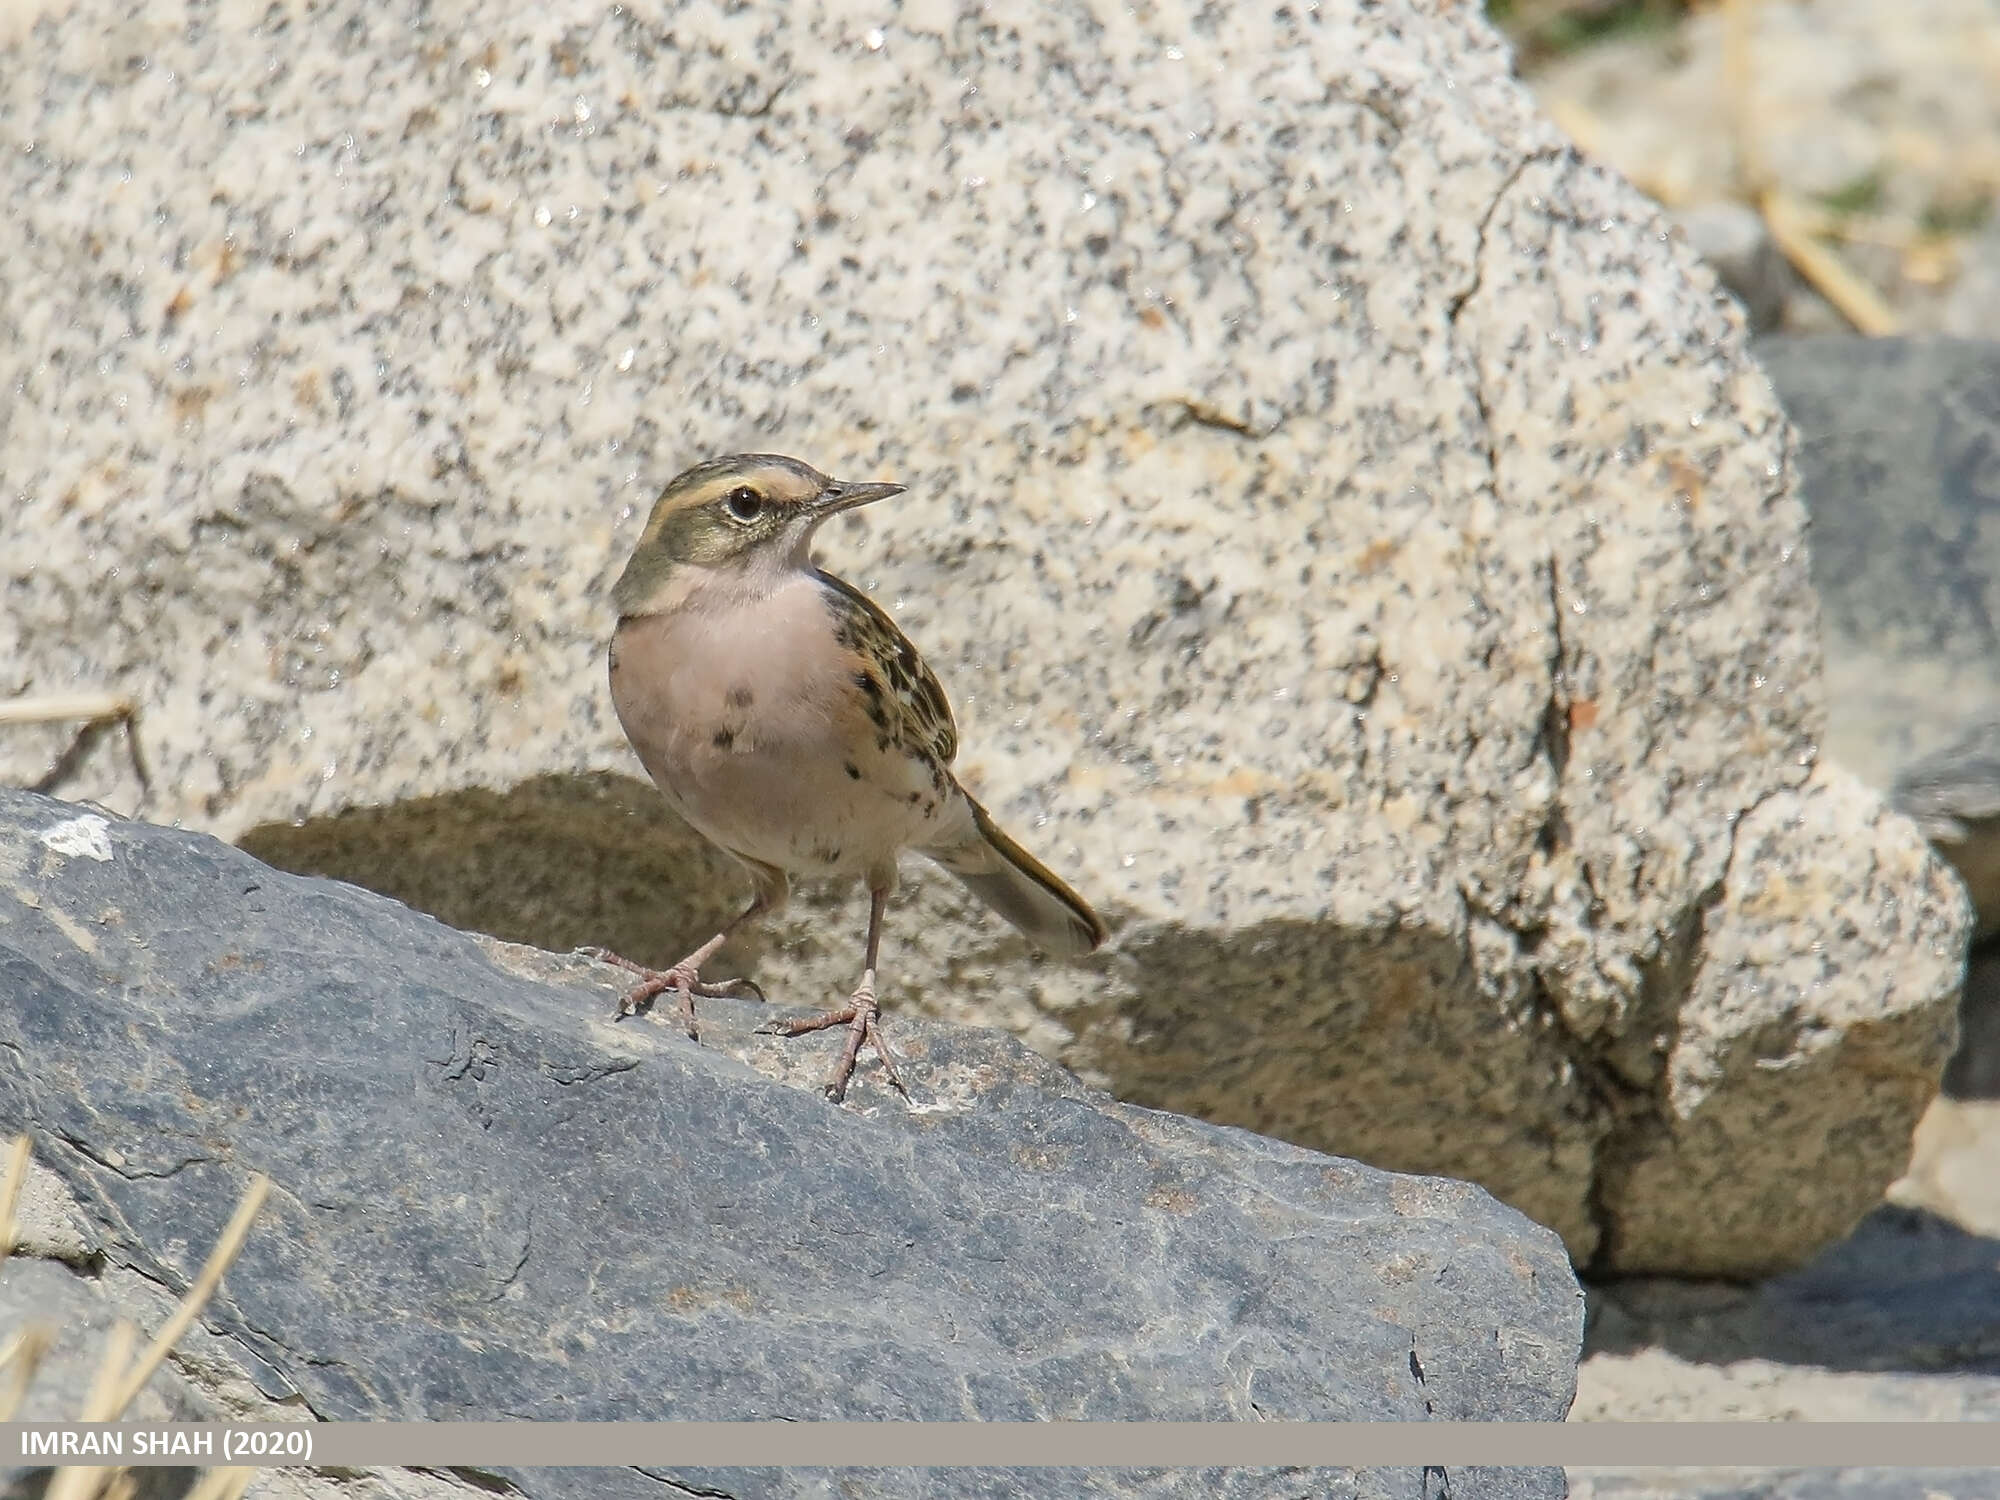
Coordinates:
<point>1735,241</point>
<point>493,1201</point>
<point>1954,796</point>
<point>46,1292</point>
<point>1899,450</point>
<point>1974,1071</point>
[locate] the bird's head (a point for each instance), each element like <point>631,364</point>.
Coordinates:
<point>742,514</point>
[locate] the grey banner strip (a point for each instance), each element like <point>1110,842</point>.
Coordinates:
<point>490,1445</point>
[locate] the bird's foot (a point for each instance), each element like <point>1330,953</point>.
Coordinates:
<point>684,979</point>
<point>861,1018</point>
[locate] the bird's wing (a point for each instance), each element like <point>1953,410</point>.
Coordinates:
<point>904,698</point>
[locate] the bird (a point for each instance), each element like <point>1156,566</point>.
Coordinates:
<point>790,723</point>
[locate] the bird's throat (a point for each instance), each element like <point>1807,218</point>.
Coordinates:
<point>669,587</point>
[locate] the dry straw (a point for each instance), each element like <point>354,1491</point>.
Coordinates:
<point>1799,230</point>
<point>119,1377</point>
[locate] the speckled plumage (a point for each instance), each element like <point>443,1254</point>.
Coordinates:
<point>786,718</point>
<point>901,693</point>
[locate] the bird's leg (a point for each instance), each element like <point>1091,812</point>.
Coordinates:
<point>684,978</point>
<point>860,1016</point>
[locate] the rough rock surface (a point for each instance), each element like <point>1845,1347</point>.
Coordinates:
<point>494,1201</point>
<point>1899,450</point>
<point>1737,244</point>
<point>1362,554</point>
<point>1901,1322</point>
<point>1954,796</point>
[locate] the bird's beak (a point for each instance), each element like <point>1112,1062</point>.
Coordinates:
<point>841,495</point>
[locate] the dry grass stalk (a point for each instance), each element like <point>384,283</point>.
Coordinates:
<point>10,1194</point>
<point>219,1260</point>
<point>96,712</point>
<point>1857,301</point>
<point>20,1359</point>
<point>86,1481</point>
<point>68,708</point>
<point>1739,88</point>
<point>120,1378</point>
<point>1789,224</point>
<point>22,1354</point>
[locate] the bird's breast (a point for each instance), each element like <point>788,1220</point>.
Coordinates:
<point>725,678</point>
<point>746,715</point>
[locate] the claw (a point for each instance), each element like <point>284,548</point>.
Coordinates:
<point>859,1016</point>
<point>684,979</point>
<point>736,989</point>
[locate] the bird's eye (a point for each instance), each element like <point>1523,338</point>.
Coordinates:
<point>744,504</point>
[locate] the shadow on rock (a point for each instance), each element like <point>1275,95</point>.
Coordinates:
<point>554,862</point>
<point>1907,1291</point>
<point>1974,1072</point>
<point>1358,1027</point>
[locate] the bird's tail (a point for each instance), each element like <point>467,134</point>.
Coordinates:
<point>1020,888</point>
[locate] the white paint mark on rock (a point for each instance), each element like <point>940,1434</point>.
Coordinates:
<point>87,835</point>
